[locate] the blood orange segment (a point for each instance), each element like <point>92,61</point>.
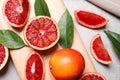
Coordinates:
<point>90,19</point>
<point>4,55</point>
<point>92,76</point>
<point>16,12</point>
<point>99,51</point>
<point>41,33</point>
<point>34,67</point>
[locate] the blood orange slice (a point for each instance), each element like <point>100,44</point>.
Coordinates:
<point>92,76</point>
<point>34,67</point>
<point>41,33</point>
<point>4,55</point>
<point>90,19</point>
<point>99,51</point>
<point>16,12</point>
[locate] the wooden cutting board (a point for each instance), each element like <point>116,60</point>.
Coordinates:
<point>57,8</point>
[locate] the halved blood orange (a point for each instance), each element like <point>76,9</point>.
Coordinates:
<point>92,76</point>
<point>4,55</point>
<point>90,19</point>
<point>16,12</point>
<point>99,51</point>
<point>34,67</point>
<point>41,33</point>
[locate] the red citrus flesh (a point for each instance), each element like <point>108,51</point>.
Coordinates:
<point>34,67</point>
<point>92,76</point>
<point>99,51</point>
<point>90,19</point>
<point>41,33</point>
<point>16,12</point>
<point>3,56</point>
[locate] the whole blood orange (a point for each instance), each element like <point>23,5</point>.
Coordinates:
<point>99,51</point>
<point>66,64</point>
<point>16,12</point>
<point>92,76</point>
<point>34,67</point>
<point>41,33</point>
<point>4,55</point>
<point>90,19</point>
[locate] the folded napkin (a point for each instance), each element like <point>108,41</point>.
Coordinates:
<point>108,5</point>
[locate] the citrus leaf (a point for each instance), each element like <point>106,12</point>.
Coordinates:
<point>66,30</point>
<point>41,8</point>
<point>115,39</point>
<point>10,39</point>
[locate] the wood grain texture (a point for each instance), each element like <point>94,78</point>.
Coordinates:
<point>19,56</point>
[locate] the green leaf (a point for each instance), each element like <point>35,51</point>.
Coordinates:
<point>10,39</point>
<point>66,30</point>
<point>115,39</point>
<point>41,8</point>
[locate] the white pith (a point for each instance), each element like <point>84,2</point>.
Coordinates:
<point>92,74</point>
<point>42,32</point>
<point>19,9</point>
<point>33,66</point>
<point>93,53</point>
<point>91,26</point>
<point>6,58</point>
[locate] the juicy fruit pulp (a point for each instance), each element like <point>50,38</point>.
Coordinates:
<point>92,76</point>
<point>41,33</point>
<point>90,19</point>
<point>16,12</point>
<point>66,64</point>
<point>34,67</point>
<point>98,50</point>
<point>3,56</point>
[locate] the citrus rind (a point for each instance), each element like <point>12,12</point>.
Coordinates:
<point>45,47</point>
<point>5,59</point>
<point>95,75</point>
<point>32,70</point>
<point>92,26</point>
<point>94,54</point>
<point>20,10</point>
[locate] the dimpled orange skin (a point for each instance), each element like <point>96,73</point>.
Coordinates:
<point>67,64</point>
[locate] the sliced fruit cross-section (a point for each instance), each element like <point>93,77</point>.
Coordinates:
<point>34,67</point>
<point>92,76</point>
<point>99,51</point>
<point>16,12</point>
<point>90,19</point>
<point>4,55</point>
<point>41,33</point>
